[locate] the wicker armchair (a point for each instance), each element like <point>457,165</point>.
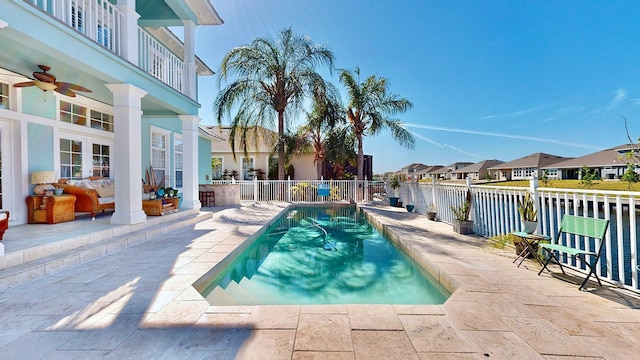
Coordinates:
<point>4,222</point>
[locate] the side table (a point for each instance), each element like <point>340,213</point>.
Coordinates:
<point>530,245</point>
<point>56,209</point>
<point>160,206</point>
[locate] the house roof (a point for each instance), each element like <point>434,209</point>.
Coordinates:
<point>205,11</point>
<point>440,170</point>
<point>207,133</point>
<point>478,167</point>
<point>429,169</point>
<point>607,157</point>
<point>265,140</point>
<point>537,160</point>
<point>416,166</point>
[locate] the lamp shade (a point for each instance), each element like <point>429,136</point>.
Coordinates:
<point>43,177</point>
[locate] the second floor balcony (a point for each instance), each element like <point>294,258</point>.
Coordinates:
<point>107,25</point>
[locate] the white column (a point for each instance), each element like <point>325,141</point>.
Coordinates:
<point>190,58</point>
<point>129,34</point>
<point>127,157</point>
<point>190,198</point>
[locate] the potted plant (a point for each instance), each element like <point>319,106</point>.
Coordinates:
<point>528,213</point>
<point>461,222</point>
<point>395,183</point>
<point>431,212</point>
<point>409,207</point>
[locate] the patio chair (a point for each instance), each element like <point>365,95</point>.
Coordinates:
<point>582,226</point>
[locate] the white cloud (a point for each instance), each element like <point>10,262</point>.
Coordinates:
<point>446,146</point>
<point>494,134</point>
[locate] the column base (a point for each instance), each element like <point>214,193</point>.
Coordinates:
<point>122,218</point>
<point>196,204</point>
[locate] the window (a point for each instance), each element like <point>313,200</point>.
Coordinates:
<point>247,163</point>
<point>77,114</point>
<point>101,161</point>
<point>70,159</point>
<point>4,96</point>
<point>216,168</point>
<point>178,160</point>
<point>159,146</point>
<point>101,121</point>
<point>72,113</point>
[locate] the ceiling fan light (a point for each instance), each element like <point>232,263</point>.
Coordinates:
<point>45,86</point>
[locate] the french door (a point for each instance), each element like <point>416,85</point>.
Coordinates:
<point>82,156</point>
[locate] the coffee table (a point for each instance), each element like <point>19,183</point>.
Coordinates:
<point>160,206</point>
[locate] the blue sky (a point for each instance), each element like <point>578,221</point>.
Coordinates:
<point>489,79</point>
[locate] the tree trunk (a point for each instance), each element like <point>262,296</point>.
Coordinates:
<point>281,146</point>
<point>319,168</point>
<point>360,159</point>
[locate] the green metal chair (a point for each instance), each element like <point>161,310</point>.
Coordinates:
<point>583,226</point>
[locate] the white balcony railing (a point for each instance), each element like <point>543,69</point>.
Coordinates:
<point>158,61</point>
<point>102,22</point>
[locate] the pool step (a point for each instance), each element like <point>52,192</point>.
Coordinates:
<point>23,266</point>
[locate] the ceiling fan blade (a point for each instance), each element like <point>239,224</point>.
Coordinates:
<point>65,91</point>
<point>70,86</point>
<point>43,76</point>
<point>24,84</point>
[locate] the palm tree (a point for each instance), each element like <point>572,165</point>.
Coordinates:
<point>272,79</point>
<point>369,109</point>
<point>325,115</point>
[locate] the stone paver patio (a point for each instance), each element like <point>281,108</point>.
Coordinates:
<point>138,303</point>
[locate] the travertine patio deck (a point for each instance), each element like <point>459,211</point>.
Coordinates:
<point>138,303</point>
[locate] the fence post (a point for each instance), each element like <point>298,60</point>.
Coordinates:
<point>289,188</point>
<point>355,189</point>
<point>255,188</point>
<point>366,189</point>
<point>434,199</point>
<point>533,188</point>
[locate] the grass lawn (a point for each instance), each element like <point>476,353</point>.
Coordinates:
<point>573,184</point>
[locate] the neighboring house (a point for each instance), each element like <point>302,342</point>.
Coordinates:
<point>446,173</point>
<point>143,108</point>
<point>608,164</point>
<point>427,173</point>
<point>411,170</point>
<point>260,156</point>
<point>477,171</point>
<point>527,167</point>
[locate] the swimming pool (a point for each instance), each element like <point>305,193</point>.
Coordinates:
<point>320,255</point>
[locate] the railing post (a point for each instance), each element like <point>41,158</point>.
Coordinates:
<point>129,34</point>
<point>289,188</point>
<point>434,199</point>
<point>365,188</point>
<point>533,188</point>
<point>255,188</point>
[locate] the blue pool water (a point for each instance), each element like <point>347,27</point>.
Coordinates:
<point>318,255</point>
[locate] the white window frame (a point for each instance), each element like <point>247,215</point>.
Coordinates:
<point>89,105</point>
<point>7,96</point>
<point>221,167</point>
<point>166,168</point>
<point>244,176</point>
<point>177,154</point>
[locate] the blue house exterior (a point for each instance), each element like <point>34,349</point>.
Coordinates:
<point>142,108</point>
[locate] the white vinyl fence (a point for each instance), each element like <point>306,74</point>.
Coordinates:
<point>308,190</point>
<point>495,212</point>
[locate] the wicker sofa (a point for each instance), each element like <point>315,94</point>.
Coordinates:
<point>90,194</point>
<point>4,222</point>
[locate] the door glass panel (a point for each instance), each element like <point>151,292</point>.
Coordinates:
<point>101,161</point>
<point>70,159</point>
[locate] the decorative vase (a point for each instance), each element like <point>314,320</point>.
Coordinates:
<point>431,216</point>
<point>410,208</point>
<point>57,191</point>
<point>393,201</point>
<point>529,226</point>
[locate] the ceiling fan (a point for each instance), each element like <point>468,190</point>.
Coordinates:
<point>46,81</point>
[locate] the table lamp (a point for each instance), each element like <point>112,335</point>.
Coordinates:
<point>43,181</point>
